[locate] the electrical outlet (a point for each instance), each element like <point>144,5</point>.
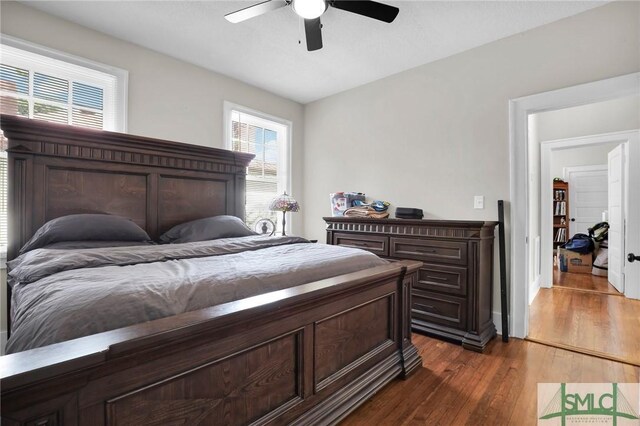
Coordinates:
<point>478,202</point>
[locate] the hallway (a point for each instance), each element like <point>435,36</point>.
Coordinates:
<point>589,317</point>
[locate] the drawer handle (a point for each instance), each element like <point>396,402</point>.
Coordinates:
<point>437,278</point>
<point>426,250</point>
<point>433,308</point>
<point>361,244</point>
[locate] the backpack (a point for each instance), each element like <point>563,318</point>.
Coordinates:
<point>580,243</point>
<point>599,232</point>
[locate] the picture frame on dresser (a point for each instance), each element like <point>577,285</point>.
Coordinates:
<point>453,295</point>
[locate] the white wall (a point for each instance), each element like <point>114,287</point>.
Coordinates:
<point>435,136</point>
<point>168,98</point>
<point>592,119</point>
<point>581,156</point>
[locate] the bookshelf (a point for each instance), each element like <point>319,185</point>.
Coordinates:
<point>560,213</point>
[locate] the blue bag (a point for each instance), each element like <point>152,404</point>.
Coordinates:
<point>580,243</point>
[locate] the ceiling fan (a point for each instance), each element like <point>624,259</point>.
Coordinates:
<point>311,10</point>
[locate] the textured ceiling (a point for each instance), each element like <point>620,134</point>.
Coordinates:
<point>265,52</point>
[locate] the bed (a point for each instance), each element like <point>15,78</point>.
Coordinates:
<point>305,353</point>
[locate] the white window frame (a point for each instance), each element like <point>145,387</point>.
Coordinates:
<point>64,65</point>
<point>285,141</point>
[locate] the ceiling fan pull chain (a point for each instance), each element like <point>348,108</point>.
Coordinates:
<point>300,29</point>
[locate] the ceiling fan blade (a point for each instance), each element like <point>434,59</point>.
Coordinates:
<point>313,32</point>
<point>255,10</point>
<point>372,9</point>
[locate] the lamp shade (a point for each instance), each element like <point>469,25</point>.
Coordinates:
<point>284,203</point>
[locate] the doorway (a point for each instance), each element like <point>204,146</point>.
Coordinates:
<point>519,111</point>
<point>567,159</point>
<point>579,308</point>
<point>584,182</point>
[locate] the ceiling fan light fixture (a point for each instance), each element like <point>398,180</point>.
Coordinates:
<point>309,9</point>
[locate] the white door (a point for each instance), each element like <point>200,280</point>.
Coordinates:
<point>616,217</point>
<point>587,196</point>
<point>632,225</point>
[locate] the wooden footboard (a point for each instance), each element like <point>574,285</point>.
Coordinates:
<point>307,355</point>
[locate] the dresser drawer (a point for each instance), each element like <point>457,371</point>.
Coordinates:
<point>443,278</point>
<point>436,251</point>
<point>441,309</point>
<point>373,243</point>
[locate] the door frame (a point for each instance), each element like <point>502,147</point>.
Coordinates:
<point>519,111</point>
<point>546,191</point>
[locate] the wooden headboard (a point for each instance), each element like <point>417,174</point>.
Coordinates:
<point>57,170</point>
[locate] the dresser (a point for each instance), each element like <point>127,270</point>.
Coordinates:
<point>452,296</point>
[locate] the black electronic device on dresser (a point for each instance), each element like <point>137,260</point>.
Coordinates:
<point>452,297</point>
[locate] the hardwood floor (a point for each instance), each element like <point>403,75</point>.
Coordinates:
<point>583,282</point>
<point>497,387</point>
<point>591,321</point>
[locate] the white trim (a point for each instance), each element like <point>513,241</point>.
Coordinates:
<point>227,109</point>
<point>594,168</point>
<point>519,110</point>
<point>546,220</point>
<point>121,75</point>
<point>534,288</point>
<point>535,285</point>
<point>226,128</point>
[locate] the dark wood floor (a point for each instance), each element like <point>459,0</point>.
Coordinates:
<point>499,387</point>
<point>583,282</point>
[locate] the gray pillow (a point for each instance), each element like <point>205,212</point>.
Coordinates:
<point>86,227</point>
<point>209,228</point>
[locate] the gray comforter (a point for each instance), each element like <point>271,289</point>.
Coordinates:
<point>64,294</point>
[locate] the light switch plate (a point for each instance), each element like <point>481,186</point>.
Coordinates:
<point>478,202</point>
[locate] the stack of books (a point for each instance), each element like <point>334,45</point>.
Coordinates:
<point>561,208</point>
<point>561,235</point>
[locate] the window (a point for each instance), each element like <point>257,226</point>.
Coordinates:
<point>268,174</point>
<point>43,84</point>
<point>46,85</point>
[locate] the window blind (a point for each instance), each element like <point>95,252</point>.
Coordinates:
<point>46,97</point>
<point>265,174</point>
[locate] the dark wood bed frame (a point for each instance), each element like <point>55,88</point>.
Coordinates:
<point>307,355</point>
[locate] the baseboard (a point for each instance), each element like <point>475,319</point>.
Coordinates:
<point>534,288</point>
<point>3,341</point>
